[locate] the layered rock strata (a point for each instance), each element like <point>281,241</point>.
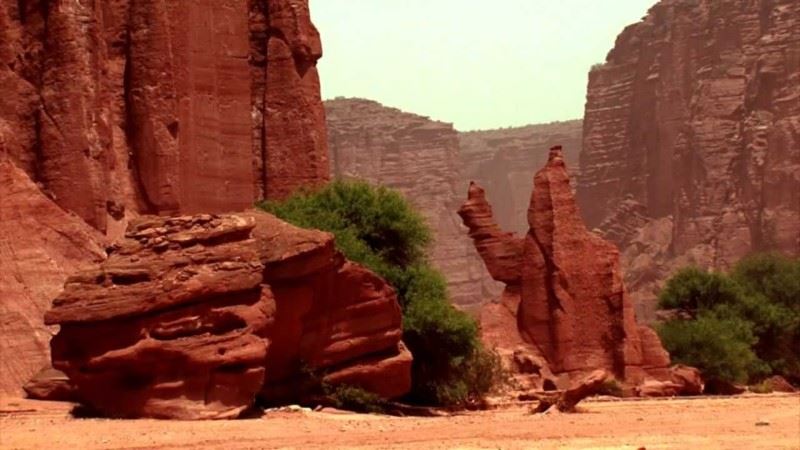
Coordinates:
<point>504,160</point>
<point>695,116</point>
<point>572,307</point>
<point>124,107</point>
<point>112,109</point>
<point>192,317</point>
<point>420,158</point>
<point>40,245</point>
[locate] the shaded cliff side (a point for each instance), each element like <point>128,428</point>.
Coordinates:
<point>420,158</point>
<point>691,145</point>
<point>150,106</point>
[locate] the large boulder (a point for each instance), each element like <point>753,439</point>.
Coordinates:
<point>566,283</point>
<point>171,325</point>
<point>193,317</point>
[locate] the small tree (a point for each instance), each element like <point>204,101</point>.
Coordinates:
<point>755,308</point>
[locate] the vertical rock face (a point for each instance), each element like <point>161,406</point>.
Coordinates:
<point>171,325</point>
<point>192,317</point>
<point>504,160</point>
<point>420,158</point>
<point>40,245</point>
<point>116,108</point>
<point>694,116</point>
<point>294,118</point>
<point>149,106</point>
<point>572,304</point>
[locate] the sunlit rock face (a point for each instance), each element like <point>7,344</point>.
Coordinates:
<point>116,108</point>
<point>194,317</point>
<point>124,107</point>
<point>40,246</point>
<point>691,148</point>
<point>566,284</point>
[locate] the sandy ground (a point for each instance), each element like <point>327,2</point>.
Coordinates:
<point>757,422</point>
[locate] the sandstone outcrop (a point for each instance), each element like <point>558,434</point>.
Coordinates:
<point>572,306</point>
<point>40,245</point>
<point>503,161</point>
<point>694,117</point>
<point>420,158</point>
<point>125,107</point>
<point>112,109</point>
<point>193,317</point>
<point>171,325</point>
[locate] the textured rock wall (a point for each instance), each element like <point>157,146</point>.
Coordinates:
<point>148,106</point>
<point>192,317</point>
<point>115,108</point>
<point>572,306</point>
<point>693,124</point>
<point>504,160</point>
<point>40,245</point>
<point>420,158</point>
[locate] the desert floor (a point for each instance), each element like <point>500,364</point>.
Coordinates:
<point>746,422</point>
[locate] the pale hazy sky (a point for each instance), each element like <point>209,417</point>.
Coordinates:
<point>477,63</point>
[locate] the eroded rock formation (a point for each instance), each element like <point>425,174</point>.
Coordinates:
<point>571,303</point>
<point>420,158</point>
<point>116,108</point>
<point>504,160</point>
<point>192,317</point>
<point>40,245</point>
<point>126,107</point>
<point>695,117</point>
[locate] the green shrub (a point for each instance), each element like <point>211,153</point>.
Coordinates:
<point>356,399</point>
<point>692,290</point>
<point>376,227</point>
<point>756,307</point>
<point>720,348</point>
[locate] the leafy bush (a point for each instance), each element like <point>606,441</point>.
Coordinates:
<point>376,227</point>
<point>356,399</point>
<point>743,325</point>
<point>720,348</point>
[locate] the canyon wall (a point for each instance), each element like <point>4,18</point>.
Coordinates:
<point>149,106</point>
<point>691,144</point>
<point>116,108</point>
<point>193,317</point>
<point>420,158</point>
<point>504,161</point>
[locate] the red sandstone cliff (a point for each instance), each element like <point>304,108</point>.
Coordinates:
<point>192,317</point>
<point>430,163</point>
<point>504,161</point>
<point>40,245</point>
<point>115,108</point>
<point>420,158</point>
<point>565,283</point>
<point>691,147</point>
<point>124,107</point>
